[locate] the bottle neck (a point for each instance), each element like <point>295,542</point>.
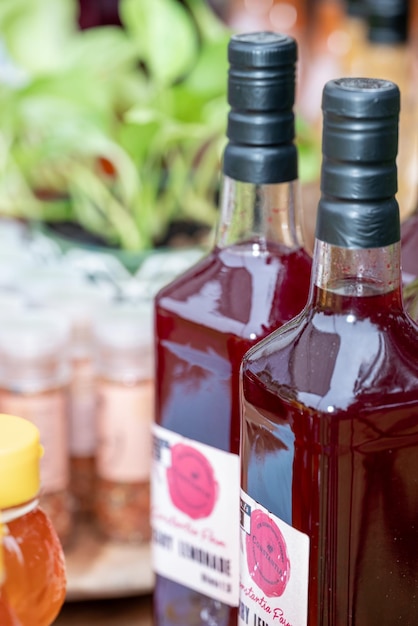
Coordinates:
<point>356,272</point>
<point>264,213</point>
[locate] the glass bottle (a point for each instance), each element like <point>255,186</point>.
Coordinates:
<point>284,17</point>
<point>34,378</point>
<point>124,367</point>
<point>35,584</point>
<point>354,29</point>
<point>387,54</point>
<point>330,401</point>
<point>255,278</point>
<point>326,45</point>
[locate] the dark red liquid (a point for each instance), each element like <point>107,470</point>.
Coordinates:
<point>330,445</point>
<point>206,320</point>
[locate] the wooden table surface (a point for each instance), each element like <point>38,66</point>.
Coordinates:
<point>135,611</point>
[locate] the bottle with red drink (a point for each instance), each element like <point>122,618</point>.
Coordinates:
<point>254,279</point>
<point>329,492</point>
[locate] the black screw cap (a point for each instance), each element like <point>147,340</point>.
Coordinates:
<point>359,175</point>
<point>261,93</point>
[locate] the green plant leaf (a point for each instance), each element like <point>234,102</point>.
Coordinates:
<point>105,51</point>
<point>212,29</point>
<point>122,124</point>
<point>36,32</point>
<point>100,211</point>
<point>209,75</point>
<point>165,35</point>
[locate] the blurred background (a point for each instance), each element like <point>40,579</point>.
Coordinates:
<point>114,112</point>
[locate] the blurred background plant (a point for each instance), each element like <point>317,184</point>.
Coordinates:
<point>118,129</point>
<point>115,129</point>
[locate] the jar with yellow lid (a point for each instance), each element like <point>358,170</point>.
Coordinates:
<point>35,584</point>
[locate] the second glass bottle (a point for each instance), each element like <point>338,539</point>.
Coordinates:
<point>254,279</point>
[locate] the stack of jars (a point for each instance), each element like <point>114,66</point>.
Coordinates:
<point>79,366</point>
<point>76,339</point>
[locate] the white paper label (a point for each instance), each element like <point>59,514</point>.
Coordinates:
<point>273,569</point>
<point>195,515</point>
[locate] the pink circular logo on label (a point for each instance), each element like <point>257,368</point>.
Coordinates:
<point>267,560</point>
<point>191,482</point>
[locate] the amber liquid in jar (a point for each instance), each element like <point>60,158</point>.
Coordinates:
<point>35,584</point>
<point>7,617</point>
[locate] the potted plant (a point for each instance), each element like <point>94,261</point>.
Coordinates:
<point>114,130</point>
<point>113,134</point>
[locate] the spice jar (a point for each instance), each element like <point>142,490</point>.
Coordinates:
<point>125,391</point>
<point>79,303</point>
<point>34,377</point>
<point>34,584</point>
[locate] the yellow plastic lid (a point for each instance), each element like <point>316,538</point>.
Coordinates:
<point>20,454</point>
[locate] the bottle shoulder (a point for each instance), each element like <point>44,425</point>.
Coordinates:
<point>233,260</point>
<point>336,360</point>
<point>254,289</point>
<point>222,269</point>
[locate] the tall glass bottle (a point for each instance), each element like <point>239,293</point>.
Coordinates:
<point>387,53</point>
<point>329,495</point>
<point>354,28</point>
<point>255,278</point>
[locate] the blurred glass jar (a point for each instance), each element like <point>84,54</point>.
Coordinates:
<point>34,378</point>
<point>125,390</point>
<point>79,303</point>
